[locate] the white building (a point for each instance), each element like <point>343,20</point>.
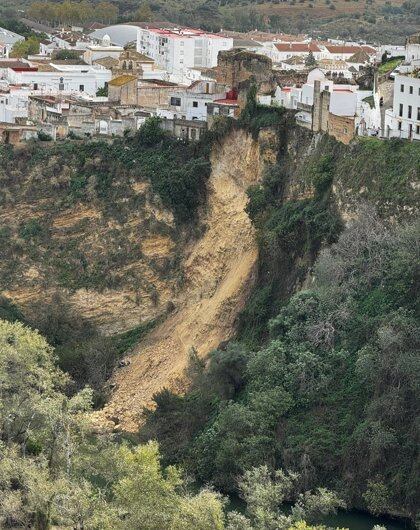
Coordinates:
<point>47,47</point>
<point>99,51</point>
<point>345,100</point>
<point>14,100</point>
<point>63,78</point>
<point>368,118</point>
<point>174,50</point>
<point>7,41</point>
<point>296,63</point>
<point>412,48</point>
<point>191,103</point>
<point>13,104</point>
<point>344,52</point>
<point>403,120</point>
<point>287,50</point>
<point>391,51</point>
<point>335,67</point>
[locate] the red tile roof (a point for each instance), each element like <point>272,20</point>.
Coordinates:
<point>14,64</point>
<point>297,47</point>
<point>226,101</point>
<point>349,49</point>
<point>369,49</point>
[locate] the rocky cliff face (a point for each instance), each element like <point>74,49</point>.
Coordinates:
<point>117,258</point>
<point>112,260</point>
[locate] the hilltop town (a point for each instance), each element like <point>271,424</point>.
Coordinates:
<point>84,82</point>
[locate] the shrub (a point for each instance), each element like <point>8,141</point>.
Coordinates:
<point>32,229</point>
<point>44,137</point>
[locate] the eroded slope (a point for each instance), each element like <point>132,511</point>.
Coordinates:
<point>219,272</point>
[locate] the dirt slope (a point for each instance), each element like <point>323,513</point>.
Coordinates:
<point>103,256</point>
<point>219,272</point>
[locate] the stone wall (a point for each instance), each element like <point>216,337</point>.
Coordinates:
<point>155,96</point>
<point>125,94</point>
<point>191,129</point>
<point>234,67</point>
<point>341,128</point>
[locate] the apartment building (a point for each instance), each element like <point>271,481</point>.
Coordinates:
<point>175,50</point>
<point>403,120</point>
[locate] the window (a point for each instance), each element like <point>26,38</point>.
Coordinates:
<point>81,88</point>
<point>195,104</point>
<point>401,110</point>
<point>176,102</point>
<point>35,86</point>
<point>402,88</point>
<point>418,113</point>
<point>411,89</point>
<point>417,129</point>
<point>410,111</point>
<point>399,126</point>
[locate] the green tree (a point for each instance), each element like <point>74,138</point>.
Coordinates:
<point>106,12</point>
<point>144,13</point>
<point>377,497</point>
<point>151,498</point>
<point>50,463</point>
<point>310,59</point>
<point>30,46</point>
<point>62,55</point>
<point>264,492</point>
<point>39,426</point>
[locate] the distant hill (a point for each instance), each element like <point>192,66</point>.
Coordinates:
<point>382,21</point>
<point>371,20</point>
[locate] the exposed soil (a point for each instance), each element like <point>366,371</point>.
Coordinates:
<point>219,274</point>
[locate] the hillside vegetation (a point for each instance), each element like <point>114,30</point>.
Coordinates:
<point>324,383</point>
<point>382,21</point>
<point>54,470</point>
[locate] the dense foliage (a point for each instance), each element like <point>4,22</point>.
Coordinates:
<point>177,169</point>
<point>291,230</point>
<point>332,393</point>
<point>349,19</point>
<point>55,471</point>
<point>59,13</point>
